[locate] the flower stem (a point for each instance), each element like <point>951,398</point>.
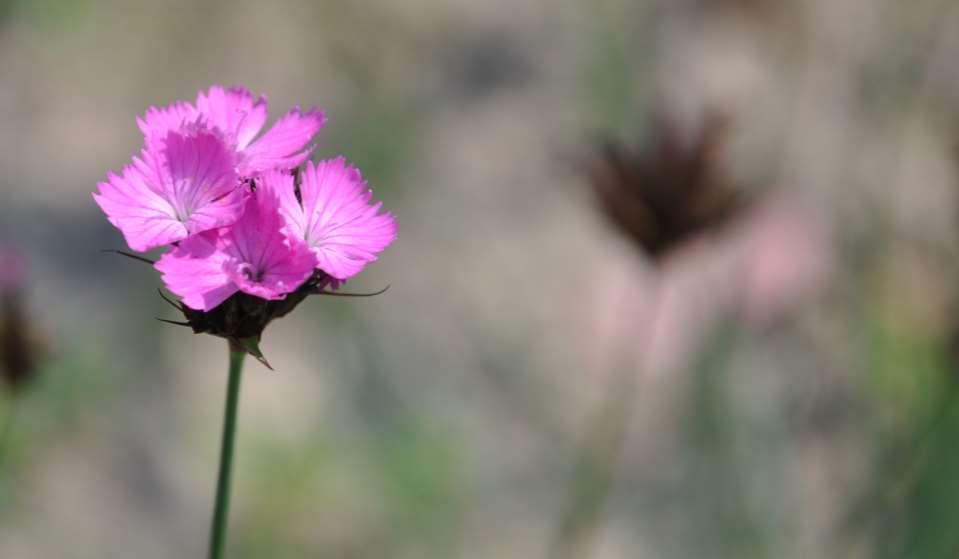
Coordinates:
<point>222,508</point>
<point>6,449</point>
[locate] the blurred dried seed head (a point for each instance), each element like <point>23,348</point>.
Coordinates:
<point>20,350</point>
<point>668,192</point>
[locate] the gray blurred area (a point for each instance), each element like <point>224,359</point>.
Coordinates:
<point>450,416</point>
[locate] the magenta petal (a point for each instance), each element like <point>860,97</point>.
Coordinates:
<point>336,218</point>
<point>234,111</point>
<point>264,262</point>
<point>157,122</point>
<point>284,145</point>
<point>200,181</point>
<point>145,217</point>
<point>179,187</point>
<point>195,270</point>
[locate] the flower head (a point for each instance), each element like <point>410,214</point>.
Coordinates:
<point>332,213</point>
<point>246,244</point>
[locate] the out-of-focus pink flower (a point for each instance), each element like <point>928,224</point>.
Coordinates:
<point>784,256</point>
<point>183,187</point>
<point>761,267</point>
<point>12,269</point>
<point>253,256</point>
<point>238,117</point>
<point>334,216</point>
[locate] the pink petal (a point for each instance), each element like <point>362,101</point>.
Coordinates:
<point>278,278</point>
<point>157,122</point>
<point>336,218</point>
<point>201,182</point>
<point>179,187</point>
<point>13,269</point>
<point>145,218</point>
<point>283,145</point>
<point>234,111</point>
<point>264,262</point>
<point>195,270</point>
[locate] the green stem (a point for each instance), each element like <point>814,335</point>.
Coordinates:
<point>6,449</point>
<point>222,509</point>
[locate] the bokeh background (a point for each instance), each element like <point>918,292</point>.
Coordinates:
<point>533,384</point>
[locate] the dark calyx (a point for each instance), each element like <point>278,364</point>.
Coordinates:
<point>245,316</point>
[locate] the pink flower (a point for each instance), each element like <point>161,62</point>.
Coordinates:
<point>334,216</point>
<point>248,245</point>
<point>12,269</point>
<point>786,257</point>
<point>178,187</point>
<point>239,117</point>
<point>253,256</point>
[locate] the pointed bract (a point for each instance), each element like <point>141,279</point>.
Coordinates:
<point>180,186</point>
<point>253,256</point>
<point>334,216</point>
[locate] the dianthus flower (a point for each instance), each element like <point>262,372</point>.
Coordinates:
<point>245,241</point>
<point>239,227</point>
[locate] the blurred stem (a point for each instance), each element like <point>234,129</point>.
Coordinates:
<point>594,470</point>
<point>596,462</point>
<point>222,508</point>
<point>6,445</point>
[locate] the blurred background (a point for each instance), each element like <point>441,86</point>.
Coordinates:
<point>674,278</point>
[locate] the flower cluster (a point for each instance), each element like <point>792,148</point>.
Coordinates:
<point>247,222</point>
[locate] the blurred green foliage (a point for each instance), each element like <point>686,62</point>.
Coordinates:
<point>50,407</point>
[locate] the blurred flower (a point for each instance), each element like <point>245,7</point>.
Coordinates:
<point>665,194</point>
<point>20,351</point>
<point>775,256</point>
<point>248,240</point>
<point>12,270</point>
<point>716,251</point>
<point>783,255</point>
